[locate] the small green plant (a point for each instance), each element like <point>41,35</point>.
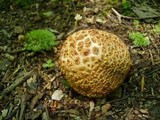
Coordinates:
<point>49,64</point>
<point>139,39</point>
<point>126,4</point>
<point>126,7</point>
<point>136,23</point>
<point>38,40</point>
<point>156,29</point>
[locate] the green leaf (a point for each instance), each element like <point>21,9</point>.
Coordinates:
<point>49,64</point>
<point>136,23</point>
<point>144,11</point>
<point>47,14</point>
<point>4,113</point>
<point>49,61</point>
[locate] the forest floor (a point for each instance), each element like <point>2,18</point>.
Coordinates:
<point>33,85</point>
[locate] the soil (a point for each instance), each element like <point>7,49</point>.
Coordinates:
<point>27,87</point>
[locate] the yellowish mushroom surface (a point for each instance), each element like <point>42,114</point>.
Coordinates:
<point>94,62</point>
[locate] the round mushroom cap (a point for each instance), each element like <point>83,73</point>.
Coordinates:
<point>94,62</point>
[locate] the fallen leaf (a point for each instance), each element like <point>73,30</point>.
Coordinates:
<point>145,11</point>
<point>106,107</point>
<point>57,95</point>
<point>78,17</point>
<point>18,29</point>
<point>99,20</point>
<point>142,83</point>
<point>4,112</point>
<point>91,104</point>
<point>143,111</point>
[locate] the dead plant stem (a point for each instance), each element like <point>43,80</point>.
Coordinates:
<point>15,84</point>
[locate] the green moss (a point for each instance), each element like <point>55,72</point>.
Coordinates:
<point>139,39</point>
<point>39,40</point>
<point>136,23</point>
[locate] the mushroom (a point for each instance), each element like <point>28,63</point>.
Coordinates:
<point>94,62</point>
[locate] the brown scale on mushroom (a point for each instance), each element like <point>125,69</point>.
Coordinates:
<point>94,62</point>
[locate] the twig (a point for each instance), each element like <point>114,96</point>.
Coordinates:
<point>156,47</point>
<point>7,77</point>
<point>23,105</point>
<point>47,113</point>
<point>47,86</point>
<point>117,100</point>
<point>14,51</point>
<point>154,70</point>
<point>152,97</point>
<point>151,57</point>
<point>12,111</point>
<point>154,3</point>
<point>119,16</point>
<point>35,99</point>
<point>15,84</point>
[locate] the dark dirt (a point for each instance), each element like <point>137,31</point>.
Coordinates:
<point>30,98</point>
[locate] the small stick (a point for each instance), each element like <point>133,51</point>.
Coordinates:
<point>118,100</point>
<point>35,99</point>
<point>7,78</point>
<point>119,16</point>
<point>156,47</point>
<point>151,57</point>
<point>47,113</point>
<point>14,51</point>
<point>23,105</point>
<point>14,84</point>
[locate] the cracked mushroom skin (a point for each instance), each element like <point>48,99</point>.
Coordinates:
<point>94,62</point>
